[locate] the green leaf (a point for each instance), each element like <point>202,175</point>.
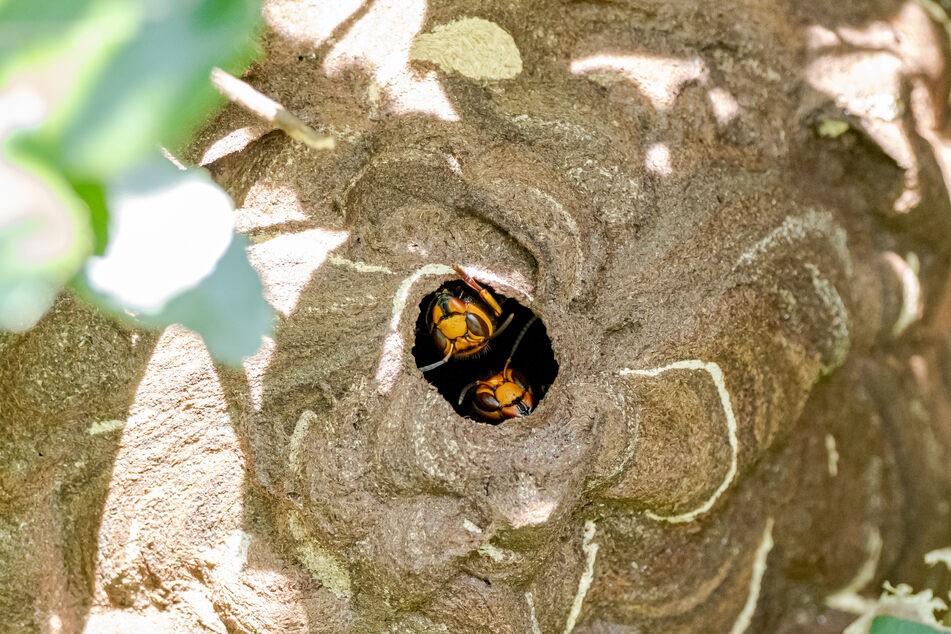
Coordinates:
<point>110,80</point>
<point>893,625</point>
<point>44,237</point>
<point>93,194</point>
<point>144,83</point>
<point>227,308</point>
<point>156,87</point>
<point>34,30</point>
<point>173,257</point>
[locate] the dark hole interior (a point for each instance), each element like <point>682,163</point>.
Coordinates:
<point>534,357</point>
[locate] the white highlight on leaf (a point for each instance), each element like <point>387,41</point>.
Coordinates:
<point>21,105</point>
<point>168,229</point>
<point>658,78</point>
<point>912,306</point>
<point>584,583</point>
<point>716,374</point>
<point>657,160</point>
<point>832,455</point>
<point>745,616</point>
<point>531,613</point>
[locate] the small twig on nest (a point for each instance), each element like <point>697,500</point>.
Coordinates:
<point>263,106</point>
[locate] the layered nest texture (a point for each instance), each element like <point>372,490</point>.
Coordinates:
<point>731,221</point>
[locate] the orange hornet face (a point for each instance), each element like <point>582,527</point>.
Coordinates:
<point>463,326</point>
<point>505,395</point>
<point>459,327</point>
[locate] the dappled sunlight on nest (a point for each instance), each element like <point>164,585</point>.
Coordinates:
<point>867,69</point>
<point>376,44</point>
<point>385,35</point>
<point>231,143</point>
<point>657,160</point>
<point>176,405</point>
<point>286,263</point>
<point>313,23</point>
<point>659,78</point>
<point>268,205</point>
<point>725,106</point>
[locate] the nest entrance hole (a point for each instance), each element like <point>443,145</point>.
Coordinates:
<point>534,357</point>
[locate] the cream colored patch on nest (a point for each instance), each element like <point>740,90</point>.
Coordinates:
<point>473,47</point>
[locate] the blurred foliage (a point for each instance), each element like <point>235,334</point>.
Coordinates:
<point>893,625</point>
<point>89,91</point>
